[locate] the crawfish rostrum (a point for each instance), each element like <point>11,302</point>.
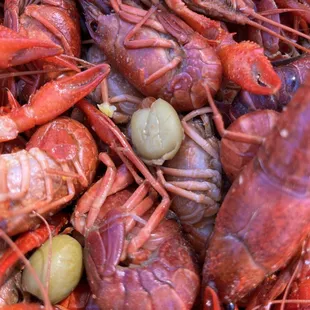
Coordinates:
<point>109,133</point>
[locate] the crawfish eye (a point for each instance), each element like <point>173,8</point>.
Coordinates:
<point>94,26</point>
<point>230,306</point>
<point>156,132</point>
<point>292,82</point>
<point>65,270</point>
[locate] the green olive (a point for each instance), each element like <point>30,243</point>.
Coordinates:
<point>156,132</point>
<point>66,268</point>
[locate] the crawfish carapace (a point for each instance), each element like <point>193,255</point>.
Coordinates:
<point>265,215</point>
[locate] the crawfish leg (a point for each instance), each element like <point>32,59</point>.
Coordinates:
<point>11,14</point>
<point>219,123</point>
<point>141,209</point>
<point>35,13</point>
<point>184,189</point>
<point>260,17</point>
<point>161,209</point>
<point>23,306</point>
<point>158,42</point>
<point>133,15</point>
<point>13,104</point>
<point>104,189</point>
<point>194,135</point>
<point>211,300</point>
<point>200,23</point>
<point>100,121</point>
<point>123,178</point>
<point>150,226</point>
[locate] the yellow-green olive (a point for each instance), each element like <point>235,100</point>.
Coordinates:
<point>66,268</point>
<point>156,132</point>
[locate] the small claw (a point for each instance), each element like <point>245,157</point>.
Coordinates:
<point>16,49</point>
<point>60,62</point>
<point>245,64</point>
<point>51,100</point>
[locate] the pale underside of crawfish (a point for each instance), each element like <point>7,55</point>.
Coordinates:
<point>60,146</point>
<point>197,218</point>
<point>15,165</point>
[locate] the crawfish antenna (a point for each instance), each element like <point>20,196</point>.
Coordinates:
<point>271,22</point>
<point>50,253</point>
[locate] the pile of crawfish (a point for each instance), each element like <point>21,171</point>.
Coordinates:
<point>220,220</point>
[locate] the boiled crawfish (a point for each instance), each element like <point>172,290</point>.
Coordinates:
<point>142,259</point>
<point>274,183</point>
<point>159,276</point>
